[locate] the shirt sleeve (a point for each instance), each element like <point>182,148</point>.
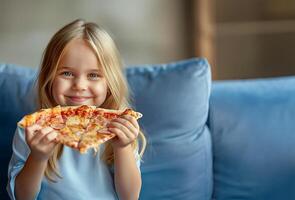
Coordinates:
<point>137,158</point>
<point>20,153</point>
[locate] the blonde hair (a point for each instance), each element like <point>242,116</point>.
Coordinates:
<point>108,56</point>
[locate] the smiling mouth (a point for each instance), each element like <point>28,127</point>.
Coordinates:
<point>78,99</point>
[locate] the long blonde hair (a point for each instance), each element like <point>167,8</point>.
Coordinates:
<point>108,56</point>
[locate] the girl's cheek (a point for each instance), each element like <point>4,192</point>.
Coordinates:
<point>59,88</point>
<point>100,89</point>
<point>61,85</point>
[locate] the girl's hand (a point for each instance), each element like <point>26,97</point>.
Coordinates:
<point>41,141</point>
<point>126,128</point>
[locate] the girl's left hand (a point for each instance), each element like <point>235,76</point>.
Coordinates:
<point>126,128</point>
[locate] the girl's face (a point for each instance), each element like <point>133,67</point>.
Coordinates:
<point>79,80</point>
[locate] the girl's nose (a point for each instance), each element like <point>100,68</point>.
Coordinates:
<point>80,84</point>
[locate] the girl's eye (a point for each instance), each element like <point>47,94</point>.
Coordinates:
<point>67,73</point>
<point>94,76</point>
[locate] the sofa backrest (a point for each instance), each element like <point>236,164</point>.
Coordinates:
<point>253,134</point>
<point>174,99</point>
<point>16,99</point>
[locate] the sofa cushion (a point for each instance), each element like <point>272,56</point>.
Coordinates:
<point>174,101</point>
<point>252,125</point>
<point>16,99</point>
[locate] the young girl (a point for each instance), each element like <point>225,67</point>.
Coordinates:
<point>80,66</point>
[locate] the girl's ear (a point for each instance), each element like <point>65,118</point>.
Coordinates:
<point>108,92</point>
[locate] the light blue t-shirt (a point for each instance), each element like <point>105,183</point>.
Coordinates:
<point>84,176</point>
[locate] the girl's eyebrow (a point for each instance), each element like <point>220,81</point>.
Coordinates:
<point>70,68</point>
<point>64,67</point>
<point>94,70</point>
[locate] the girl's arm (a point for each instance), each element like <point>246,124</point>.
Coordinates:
<point>41,143</point>
<point>28,181</point>
<point>126,173</point>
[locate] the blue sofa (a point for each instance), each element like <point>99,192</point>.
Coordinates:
<point>207,141</point>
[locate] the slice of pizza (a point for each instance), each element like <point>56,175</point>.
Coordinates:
<point>80,127</point>
<point>97,132</point>
<point>52,117</point>
<point>44,117</point>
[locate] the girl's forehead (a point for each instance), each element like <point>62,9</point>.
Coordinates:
<point>79,54</point>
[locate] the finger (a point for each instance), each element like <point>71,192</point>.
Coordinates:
<point>130,136</point>
<point>126,124</point>
<point>132,131</point>
<point>48,147</point>
<point>120,125</point>
<point>31,131</point>
<point>49,137</point>
<point>132,120</point>
<point>121,136</point>
<point>41,133</point>
<point>51,145</point>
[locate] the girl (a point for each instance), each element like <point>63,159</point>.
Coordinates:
<point>80,66</point>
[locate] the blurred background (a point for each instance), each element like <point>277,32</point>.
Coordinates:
<point>241,39</point>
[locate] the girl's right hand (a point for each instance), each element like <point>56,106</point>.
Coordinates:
<point>41,141</point>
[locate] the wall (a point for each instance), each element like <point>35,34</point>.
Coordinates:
<point>146,31</point>
<point>255,38</point>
